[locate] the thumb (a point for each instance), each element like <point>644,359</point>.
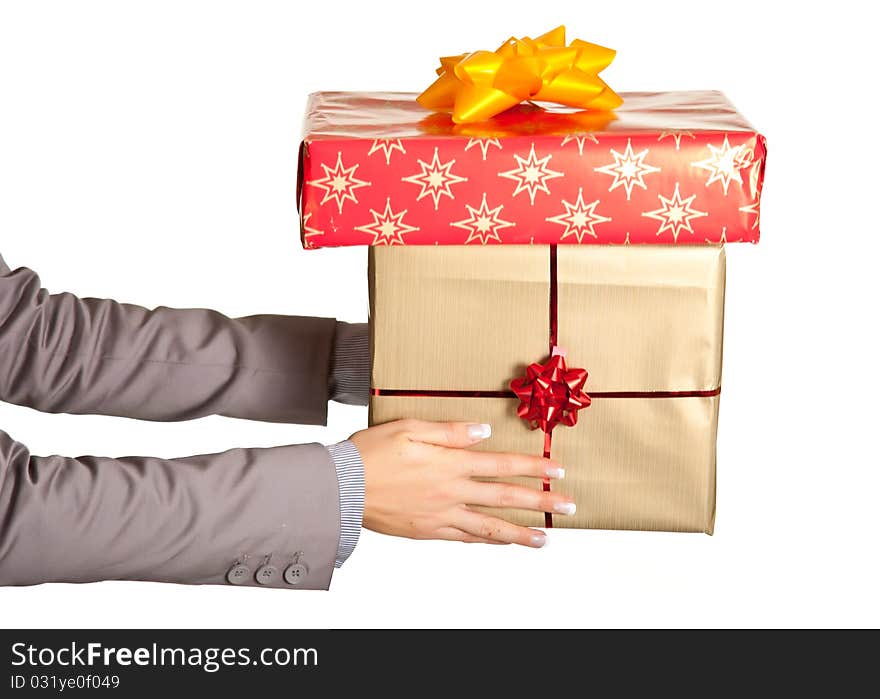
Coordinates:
<point>448,434</point>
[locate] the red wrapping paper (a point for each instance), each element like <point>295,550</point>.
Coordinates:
<point>664,168</point>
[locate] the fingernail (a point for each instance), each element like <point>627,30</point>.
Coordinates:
<point>565,508</point>
<point>555,472</point>
<point>539,539</point>
<point>482,431</point>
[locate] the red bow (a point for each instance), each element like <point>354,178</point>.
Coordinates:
<point>551,394</point>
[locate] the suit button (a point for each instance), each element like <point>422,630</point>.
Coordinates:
<point>266,575</point>
<point>295,573</point>
<point>239,574</point>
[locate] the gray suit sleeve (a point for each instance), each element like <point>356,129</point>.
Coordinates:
<point>186,520</point>
<point>60,353</point>
<point>197,520</point>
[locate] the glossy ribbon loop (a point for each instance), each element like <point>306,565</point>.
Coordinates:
<point>551,394</point>
<point>477,86</point>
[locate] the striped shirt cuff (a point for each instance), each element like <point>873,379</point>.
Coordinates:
<point>350,364</point>
<point>350,475</point>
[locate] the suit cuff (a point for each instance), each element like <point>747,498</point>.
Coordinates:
<point>350,475</point>
<point>350,364</point>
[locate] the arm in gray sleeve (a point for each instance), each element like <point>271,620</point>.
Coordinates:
<point>60,353</point>
<point>266,517</point>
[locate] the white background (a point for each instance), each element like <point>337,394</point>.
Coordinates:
<point>148,153</point>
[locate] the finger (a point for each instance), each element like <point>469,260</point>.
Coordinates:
<point>495,529</point>
<point>447,434</point>
<point>500,465</point>
<point>516,496</point>
<point>453,534</point>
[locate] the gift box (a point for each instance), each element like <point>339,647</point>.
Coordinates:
<point>555,271</point>
<point>672,168</point>
<point>451,326</point>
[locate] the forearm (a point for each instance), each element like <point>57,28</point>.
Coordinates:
<point>60,353</point>
<point>187,520</point>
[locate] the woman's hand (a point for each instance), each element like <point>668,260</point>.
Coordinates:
<point>420,482</point>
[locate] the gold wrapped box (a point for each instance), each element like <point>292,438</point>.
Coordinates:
<point>452,325</point>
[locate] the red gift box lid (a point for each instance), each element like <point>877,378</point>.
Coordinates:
<point>663,168</point>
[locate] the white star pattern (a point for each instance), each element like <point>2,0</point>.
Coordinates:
<point>484,144</point>
<point>744,158</point>
<point>754,210</point>
<point>723,164</point>
<point>484,223</point>
<point>339,183</point>
<point>387,146</point>
<point>754,176</point>
<point>532,174</point>
<point>581,139</point>
<point>675,214</point>
<point>579,218</point>
<point>628,169</point>
<point>435,179</point>
<point>722,239</point>
<point>387,228</point>
<point>308,231</point>
<point>676,136</point>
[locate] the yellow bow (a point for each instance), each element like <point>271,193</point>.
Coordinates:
<point>477,86</point>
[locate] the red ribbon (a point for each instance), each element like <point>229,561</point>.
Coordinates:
<point>551,394</point>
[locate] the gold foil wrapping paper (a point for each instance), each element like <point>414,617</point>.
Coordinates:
<point>639,319</point>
